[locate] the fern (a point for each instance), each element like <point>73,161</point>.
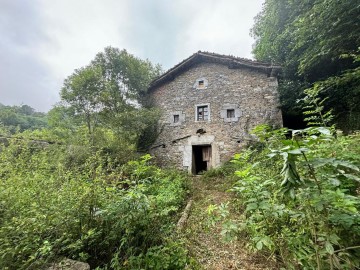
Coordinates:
<point>314,109</point>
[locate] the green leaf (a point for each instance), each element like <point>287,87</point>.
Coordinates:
<point>352,177</point>
<point>324,130</point>
<point>271,155</point>
<point>329,247</point>
<point>334,181</point>
<point>264,205</point>
<point>251,206</point>
<point>347,164</point>
<point>259,245</point>
<point>295,152</point>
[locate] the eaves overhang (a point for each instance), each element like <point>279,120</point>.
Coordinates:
<point>200,57</point>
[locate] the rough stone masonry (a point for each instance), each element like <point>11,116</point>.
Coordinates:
<point>209,104</point>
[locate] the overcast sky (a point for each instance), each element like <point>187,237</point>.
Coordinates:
<point>43,41</point>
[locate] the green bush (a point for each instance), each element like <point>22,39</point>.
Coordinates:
<point>300,198</point>
<point>94,210</point>
<point>172,255</point>
<point>226,170</point>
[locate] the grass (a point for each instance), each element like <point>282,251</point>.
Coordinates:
<point>204,241</point>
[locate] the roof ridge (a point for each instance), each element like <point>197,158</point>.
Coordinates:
<point>221,58</point>
<point>234,57</point>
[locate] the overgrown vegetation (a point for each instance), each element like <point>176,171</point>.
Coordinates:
<point>317,44</point>
<point>298,198</point>
<point>299,188</point>
<point>298,193</point>
<point>108,97</point>
<point>76,187</point>
<point>114,217</point>
<point>72,184</point>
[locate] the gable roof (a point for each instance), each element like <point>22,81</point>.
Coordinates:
<point>230,61</point>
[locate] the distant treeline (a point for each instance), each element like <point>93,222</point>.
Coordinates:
<point>20,118</point>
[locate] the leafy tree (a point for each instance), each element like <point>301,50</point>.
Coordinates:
<point>313,40</point>
<point>108,94</point>
<point>127,78</point>
<point>81,91</point>
<point>26,109</point>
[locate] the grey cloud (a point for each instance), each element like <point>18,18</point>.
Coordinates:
<point>22,74</point>
<point>42,41</point>
<point>21,80</point>
<point>156,28</point>
<point>169,31</point>
<point>20,23</point>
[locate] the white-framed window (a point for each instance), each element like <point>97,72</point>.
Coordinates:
<point>202,112</point>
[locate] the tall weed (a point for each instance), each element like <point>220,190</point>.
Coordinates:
<point>94,211</point>
<point>301,199</point>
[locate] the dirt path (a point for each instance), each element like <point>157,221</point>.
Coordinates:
<point>205,242</point>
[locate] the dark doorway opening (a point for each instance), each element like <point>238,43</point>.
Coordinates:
<point>201,158</point>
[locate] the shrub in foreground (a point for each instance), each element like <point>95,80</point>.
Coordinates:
<point>299,197</point>
<point>112,217</point>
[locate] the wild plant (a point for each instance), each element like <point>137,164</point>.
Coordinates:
<point>300,198</point>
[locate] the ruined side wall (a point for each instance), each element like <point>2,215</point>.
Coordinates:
<point>252,94</point>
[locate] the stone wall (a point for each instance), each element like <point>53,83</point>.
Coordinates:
<point>251,96</point>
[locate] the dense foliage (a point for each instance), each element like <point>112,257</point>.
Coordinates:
<point>76,186</point>
<point>55,203</point>
<point>299,198</point>
<point>317,43</point>
<point>108,96</point>
<point>20,118</point>
<point>298,189</point>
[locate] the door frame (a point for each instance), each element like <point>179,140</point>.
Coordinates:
<point>193,158</point>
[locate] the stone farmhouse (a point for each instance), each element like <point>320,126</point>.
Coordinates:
<point>210,103</point>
